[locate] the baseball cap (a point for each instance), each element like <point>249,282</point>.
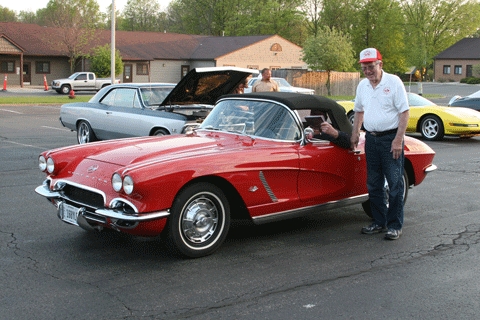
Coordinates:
<point>369,55</point>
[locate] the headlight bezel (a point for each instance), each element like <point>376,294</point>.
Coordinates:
<point>128,185</point>
<point>50,165</point>
<point>117,182</point>
<point>42,163</point>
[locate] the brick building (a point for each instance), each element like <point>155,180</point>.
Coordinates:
<point>457,61</point>
<point>34,51</point>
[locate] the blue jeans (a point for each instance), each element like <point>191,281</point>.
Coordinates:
<point>381,166</point>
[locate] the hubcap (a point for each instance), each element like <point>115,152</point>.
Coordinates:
<point>430,128</point>
<point>83,133</point>
<point>200,220</point>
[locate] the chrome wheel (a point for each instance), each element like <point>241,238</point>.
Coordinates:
<point>160,132</point>
<point>199,221</point>
<point>85,133</point>
<point>65,89</point>
<point>432,128</point>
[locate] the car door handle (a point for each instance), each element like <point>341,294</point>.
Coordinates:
<point>355,151</point>
<point>109,112</point>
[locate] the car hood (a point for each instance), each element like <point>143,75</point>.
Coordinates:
<point>136,151</point>
<point>464,113</point>
<point>206,85</point>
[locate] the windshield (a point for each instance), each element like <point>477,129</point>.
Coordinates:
<point>282,82</point>
<point>415,100</point>
<point>257,118</point>
<point>73,76</point>
<point>154,95</point>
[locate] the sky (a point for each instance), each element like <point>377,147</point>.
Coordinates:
<point>34,5</point>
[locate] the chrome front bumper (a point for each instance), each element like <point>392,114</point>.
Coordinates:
<point>99,215</point>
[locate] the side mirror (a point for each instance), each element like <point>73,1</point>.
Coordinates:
<point>308,133</point>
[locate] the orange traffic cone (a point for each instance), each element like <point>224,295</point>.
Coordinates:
<point>45,82</point>
<point>5,83</point>
<point>72,94</point>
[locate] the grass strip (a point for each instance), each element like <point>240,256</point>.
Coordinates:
<point>43,100</point>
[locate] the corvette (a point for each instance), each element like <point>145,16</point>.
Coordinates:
<point>253,157</point>
<point>433,121</point>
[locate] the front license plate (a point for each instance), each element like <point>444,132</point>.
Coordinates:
<point>69,214</point>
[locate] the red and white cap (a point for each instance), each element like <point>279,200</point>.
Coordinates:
<point>369,55</point>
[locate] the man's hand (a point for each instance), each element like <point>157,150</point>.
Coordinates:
<point>397,146</point>
<point>354,140</point>
<point>327,128</point>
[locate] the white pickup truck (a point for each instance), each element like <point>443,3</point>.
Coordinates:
<point>81,81</point>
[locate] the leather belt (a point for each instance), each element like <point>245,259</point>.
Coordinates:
<point>382,133</point>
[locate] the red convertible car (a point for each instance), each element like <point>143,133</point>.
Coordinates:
<point>252,157</point>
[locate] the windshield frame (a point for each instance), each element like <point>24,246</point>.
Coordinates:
<point>205,126</point>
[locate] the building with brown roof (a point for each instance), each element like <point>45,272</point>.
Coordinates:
<point>37,51</point>
<point>457,61</point>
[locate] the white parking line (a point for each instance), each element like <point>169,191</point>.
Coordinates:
<point>6,110</point>
<point>61,129</point>
<point>22,144</point>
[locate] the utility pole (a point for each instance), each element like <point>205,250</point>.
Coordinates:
<point>112,66</point>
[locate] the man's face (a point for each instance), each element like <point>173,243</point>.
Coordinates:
<point>372,70</point>
<point>267,75</point>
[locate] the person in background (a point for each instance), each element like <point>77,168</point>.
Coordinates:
<point>381,105</point>
<point>241,87</point>
<point>266,84</point>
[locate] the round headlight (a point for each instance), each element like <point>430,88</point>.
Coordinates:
<point>50,165</point>
<point>128,185</point>
<point>42,163</point>
<point>116,182</point>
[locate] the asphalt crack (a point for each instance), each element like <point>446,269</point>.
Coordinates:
<point>453,244</point>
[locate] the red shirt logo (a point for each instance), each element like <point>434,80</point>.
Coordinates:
<point>386,90</point>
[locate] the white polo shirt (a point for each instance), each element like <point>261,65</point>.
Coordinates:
<point>383,105</point>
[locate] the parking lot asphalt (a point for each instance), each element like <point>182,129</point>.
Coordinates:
<point>314,267</point>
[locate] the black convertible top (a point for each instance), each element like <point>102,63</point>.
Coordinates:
<point>298,101</point>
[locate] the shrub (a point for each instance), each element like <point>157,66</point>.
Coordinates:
<point>473,80</point>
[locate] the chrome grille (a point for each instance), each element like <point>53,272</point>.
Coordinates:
<point>82,196</point>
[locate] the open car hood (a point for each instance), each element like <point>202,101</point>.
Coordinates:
<point>206,85</point>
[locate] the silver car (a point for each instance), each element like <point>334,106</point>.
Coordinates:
<point>283,86</point>
<point>148,109</point>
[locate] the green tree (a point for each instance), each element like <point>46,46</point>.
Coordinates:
<point>140,15</point>
<point>75,21</point>
<point>101,62</point>
<point>331,51</point>
<point>432,26</point>
<point>28,17</point>
<point>7,15</point>
<point>380,25</point>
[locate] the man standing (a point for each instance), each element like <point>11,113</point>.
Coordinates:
<point>381,105</point>
<point>266,84</point>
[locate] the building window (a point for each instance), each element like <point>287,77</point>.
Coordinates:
<point>142,69</point>
<point>276,47</point>
<point>275,68</point>
<point>42,67</point>
<point>446,69</point>
<point>7,66</point>
<point>253,67</point>
<point>458,70</point>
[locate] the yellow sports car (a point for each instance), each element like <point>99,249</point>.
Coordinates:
<point>433,121</point>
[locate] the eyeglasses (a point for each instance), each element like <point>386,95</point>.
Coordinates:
<point>369,68</point>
